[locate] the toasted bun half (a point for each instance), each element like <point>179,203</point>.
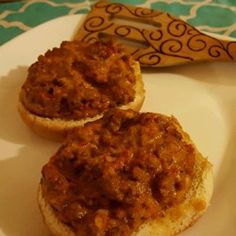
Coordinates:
<point>176,219</point>
<point>196,203</point>
<point>56,129</point>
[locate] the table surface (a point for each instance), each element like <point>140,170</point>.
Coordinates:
<point>216,16</point>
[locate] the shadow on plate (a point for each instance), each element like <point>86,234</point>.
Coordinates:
<point>20,173</point>
<point>11,126</point>
<point>19,178</point>
<point>220,217</point>
<point>197,71</point>
<point>20,164</point>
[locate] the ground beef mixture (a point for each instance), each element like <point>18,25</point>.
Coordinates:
<point>114,174</point>
<point>79,80</point>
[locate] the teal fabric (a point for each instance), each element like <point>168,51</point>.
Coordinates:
<point>212,17</point>
<point>38,13</point>
<point>175,8</point>
<point>216,16</point>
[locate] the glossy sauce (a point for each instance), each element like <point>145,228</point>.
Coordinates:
<point>79,80</point>
<point>114,174</point>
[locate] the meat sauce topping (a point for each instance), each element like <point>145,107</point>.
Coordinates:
<point>115,174</point>
<point>79,80</point>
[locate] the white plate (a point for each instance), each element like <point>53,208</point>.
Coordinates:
<point>201,96</point>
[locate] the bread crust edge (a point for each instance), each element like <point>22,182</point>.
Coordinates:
<point>56,129</point>
<point>175,220</point>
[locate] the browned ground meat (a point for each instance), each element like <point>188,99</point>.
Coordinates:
<point>79,80</point>
<point>114,174</point>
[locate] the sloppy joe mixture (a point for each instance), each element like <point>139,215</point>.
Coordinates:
<point>79,80</point>
<point>114,174</point>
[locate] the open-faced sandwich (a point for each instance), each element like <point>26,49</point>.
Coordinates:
<point>128,173</point>
<point>77,83</point>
